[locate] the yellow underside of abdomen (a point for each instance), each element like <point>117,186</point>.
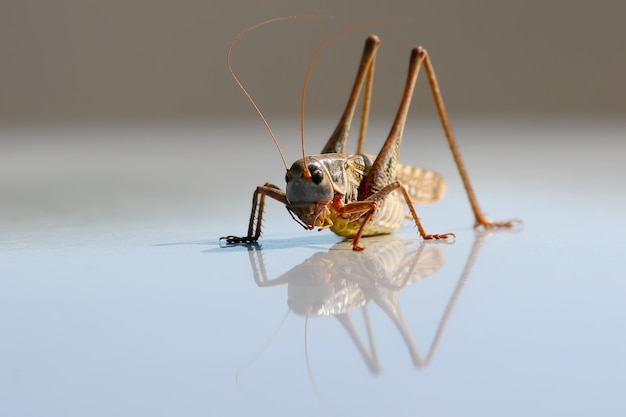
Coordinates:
<point>388,217</point>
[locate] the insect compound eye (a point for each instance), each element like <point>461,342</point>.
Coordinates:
<point>317,176</point>
<point>288,176</point>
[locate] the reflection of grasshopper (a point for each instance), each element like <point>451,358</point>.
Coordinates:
<point>336,282</point>
<point>357,194</point>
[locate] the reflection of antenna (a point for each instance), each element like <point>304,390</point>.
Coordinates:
<point>306,358</point>
<point>261,350</point>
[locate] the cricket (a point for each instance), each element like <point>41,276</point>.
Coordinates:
<point>358,195</point>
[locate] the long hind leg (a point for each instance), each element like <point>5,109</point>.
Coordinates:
<point>480,219</point>
<point>365,75</point>
<point>383,170</point>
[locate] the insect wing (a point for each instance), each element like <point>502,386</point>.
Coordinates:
<point>423,185</point>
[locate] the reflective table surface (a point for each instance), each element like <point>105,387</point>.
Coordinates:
<point>118,299</point>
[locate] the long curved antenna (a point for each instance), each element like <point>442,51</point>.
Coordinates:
<point>230,69</point>
<point>321,46</point>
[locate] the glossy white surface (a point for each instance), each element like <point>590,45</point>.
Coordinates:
<point>116,298</point>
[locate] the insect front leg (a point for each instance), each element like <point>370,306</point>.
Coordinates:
<point>256,215</point>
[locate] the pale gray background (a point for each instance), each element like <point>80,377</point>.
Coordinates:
<point>141,60</point>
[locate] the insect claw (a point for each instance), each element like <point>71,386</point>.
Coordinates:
<point>227,239</point>
<point>450,238</point>
<point>230,240</point>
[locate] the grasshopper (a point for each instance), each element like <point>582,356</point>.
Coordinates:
<point>357,195</point>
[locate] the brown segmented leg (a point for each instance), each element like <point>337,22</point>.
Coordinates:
<point>256,215</point>
<point>337,141</point>
<point>383,170</point>
<point>369,206</point>
<point>456,154</point>
<point>365,112</point>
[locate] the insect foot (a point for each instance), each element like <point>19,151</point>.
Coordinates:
<point>442,236</point>
<point>234,240</point>
<point>495,224</point>
<point>451,237</point>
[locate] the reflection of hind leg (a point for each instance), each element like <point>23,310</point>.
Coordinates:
<point>370,358</point>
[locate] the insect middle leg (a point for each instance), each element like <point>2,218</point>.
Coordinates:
<point>378,199</point>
